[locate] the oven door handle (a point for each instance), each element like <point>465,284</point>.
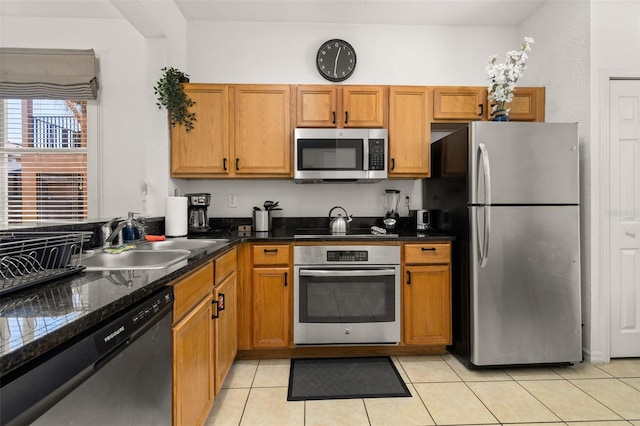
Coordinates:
<point>346,272</point>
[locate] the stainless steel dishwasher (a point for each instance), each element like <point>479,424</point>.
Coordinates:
<point>118,374</point>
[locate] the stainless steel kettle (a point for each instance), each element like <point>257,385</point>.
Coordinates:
<point>339,224</point>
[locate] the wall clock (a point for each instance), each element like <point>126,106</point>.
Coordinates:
<point>336,60</point>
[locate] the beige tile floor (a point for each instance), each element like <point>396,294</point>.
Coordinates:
<point>444,392</point>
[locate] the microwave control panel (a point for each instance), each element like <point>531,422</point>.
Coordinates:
<point>376,154</point>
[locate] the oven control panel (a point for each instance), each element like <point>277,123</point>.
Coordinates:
<point>347,255</point>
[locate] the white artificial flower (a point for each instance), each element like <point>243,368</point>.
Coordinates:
<point>503,77</point>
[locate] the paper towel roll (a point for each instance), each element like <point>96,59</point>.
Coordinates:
<point>176,217</point>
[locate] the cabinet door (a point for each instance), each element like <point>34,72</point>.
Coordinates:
<point>409,132</point>
<point>204,151</point>
<point>272,311</point>
<point>316,106</point>
<point>459,103</point>
<point>262,139</point>
<point>193,366</point>
<point>527,104</point>
<point>362,106</point>
<point>226,328</point>
<point>427,305</point>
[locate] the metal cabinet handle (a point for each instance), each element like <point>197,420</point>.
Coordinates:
<point>237,164</point>
<point>270,250</point>
<point>334,117</point>
<point>346,117</point>
<point>217,314</point>
<point>286,274</point>
<point>409,277</point>
<point>428,249</point>
<point>224,164</point>
<point>481,110</point>
<point>393,164</point>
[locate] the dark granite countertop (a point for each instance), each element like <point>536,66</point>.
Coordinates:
<point>37,321</point>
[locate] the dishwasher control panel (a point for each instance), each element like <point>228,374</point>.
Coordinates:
<point>124,326</point>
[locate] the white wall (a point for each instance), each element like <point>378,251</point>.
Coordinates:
<point>615,52</point>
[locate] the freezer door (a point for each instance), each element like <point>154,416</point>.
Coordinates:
<point>525,285</point>
<point>523,163</point>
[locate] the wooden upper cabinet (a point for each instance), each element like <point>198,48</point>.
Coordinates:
<point>459,103</point>
<point>409,132</point>
<point>262,130</point>
<point>527,104</point>
<point>204,151</point>
<point>317,106</point>
<point>363,106</point>
<point>340,106</point>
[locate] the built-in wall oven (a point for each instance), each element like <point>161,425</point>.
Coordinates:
<point>346,294</point>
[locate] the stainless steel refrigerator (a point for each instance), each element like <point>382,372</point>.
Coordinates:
<point>510,194</point>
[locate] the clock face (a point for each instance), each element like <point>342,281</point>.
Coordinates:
<point>336,60</point>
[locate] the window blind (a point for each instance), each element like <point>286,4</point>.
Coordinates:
<point>48,73</point>
<point>43,160</point>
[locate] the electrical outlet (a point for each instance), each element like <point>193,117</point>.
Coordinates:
<point>144,189</point>
<point>233,200</point>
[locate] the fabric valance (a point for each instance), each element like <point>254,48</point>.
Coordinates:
<point>48,73</point>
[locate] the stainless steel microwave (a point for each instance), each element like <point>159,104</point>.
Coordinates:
<point>340,155</point>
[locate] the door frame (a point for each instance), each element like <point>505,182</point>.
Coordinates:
<point>600,295</point>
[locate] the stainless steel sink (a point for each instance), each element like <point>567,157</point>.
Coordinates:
<point>182,244</point>
<point>133,259</point>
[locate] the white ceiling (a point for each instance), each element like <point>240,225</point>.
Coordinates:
<point>394,12</point>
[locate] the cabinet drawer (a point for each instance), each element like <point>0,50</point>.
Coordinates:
<point>225,265</point>
<point>427,253</point>
<point>190,290</point>
<point>271,254</point>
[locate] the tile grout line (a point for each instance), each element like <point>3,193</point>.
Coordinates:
<point>246,401</point>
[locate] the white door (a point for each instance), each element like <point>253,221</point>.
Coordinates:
<point>624,217</point>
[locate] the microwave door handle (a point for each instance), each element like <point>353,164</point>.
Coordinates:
<point>365,154</point>
<point>346,273</point>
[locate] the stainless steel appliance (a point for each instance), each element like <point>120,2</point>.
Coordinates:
<point>118,374</point>
<point>346,295</point>
<point>340,155</point>
<point>339,225</point>
<point>390,201</point>
<point>423,220</point>
<point>510,191</point>
<point>198,206</point>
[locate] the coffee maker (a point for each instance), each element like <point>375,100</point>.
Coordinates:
<point>198,218</point>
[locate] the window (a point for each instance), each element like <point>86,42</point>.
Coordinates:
<point>43,160</point>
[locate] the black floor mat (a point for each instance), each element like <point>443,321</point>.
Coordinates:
<point>344,378</point>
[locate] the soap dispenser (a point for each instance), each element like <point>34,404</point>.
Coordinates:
<point>130,232</point>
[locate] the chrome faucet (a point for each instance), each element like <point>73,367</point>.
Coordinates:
<point>109,236</point>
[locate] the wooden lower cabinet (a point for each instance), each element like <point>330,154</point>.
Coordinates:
<point>272,307</point>
<point>427,305</point>
<point>426,294</point>
<point>226,328</point>
<point>193,389</point>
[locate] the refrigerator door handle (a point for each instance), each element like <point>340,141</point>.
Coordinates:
<point>487,231</point>
<point>486,173</point>
<point>486,209</point>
